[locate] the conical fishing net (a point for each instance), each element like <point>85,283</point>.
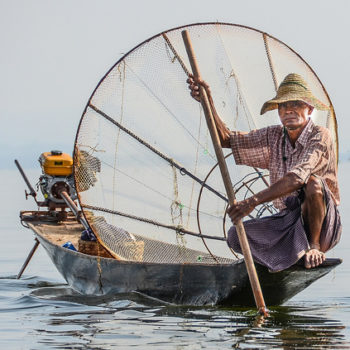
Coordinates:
<point>145,168</point>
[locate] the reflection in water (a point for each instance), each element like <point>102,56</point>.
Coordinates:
<point>132,320</point>
<point>295,327</point>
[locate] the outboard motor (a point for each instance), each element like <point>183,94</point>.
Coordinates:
<point>57,175</point>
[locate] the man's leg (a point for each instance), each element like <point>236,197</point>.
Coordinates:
<point>314,212</point>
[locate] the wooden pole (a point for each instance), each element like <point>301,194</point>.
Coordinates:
<point>70,203</point>
<point>253,277</point>
<point>30,255</point>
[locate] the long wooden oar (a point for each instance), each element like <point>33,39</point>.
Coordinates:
<point>253,277</point>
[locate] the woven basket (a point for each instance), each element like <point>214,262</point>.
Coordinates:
<point>93,248</point>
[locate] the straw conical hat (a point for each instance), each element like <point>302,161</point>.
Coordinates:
<point>293,88</point>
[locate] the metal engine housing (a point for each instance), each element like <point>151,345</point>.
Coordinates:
<point>50,186</point>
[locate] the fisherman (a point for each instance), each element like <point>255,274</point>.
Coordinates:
<point>301,159</point>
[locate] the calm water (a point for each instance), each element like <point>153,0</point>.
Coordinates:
<point>41,312</point>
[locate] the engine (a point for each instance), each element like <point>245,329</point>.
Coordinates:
<point>57,175</point>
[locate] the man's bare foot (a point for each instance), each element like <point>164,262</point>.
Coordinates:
<point>313,258</point>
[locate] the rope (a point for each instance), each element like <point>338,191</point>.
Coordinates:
<point>122,79</point>
<point>268,53</point>
<point>178,229</point>
<point>182,170</point>
<point>176,205</point>
<point>177,56</point>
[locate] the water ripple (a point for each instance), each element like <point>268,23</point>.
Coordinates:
<point>58,317</point>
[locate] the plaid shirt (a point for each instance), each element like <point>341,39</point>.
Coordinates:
<point>313,154</point>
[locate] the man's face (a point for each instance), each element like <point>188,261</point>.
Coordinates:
<point>294,114</point>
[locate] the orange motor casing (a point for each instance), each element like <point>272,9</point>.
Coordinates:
<point>56,163</point>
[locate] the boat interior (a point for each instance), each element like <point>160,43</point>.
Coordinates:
<point>69,231</point>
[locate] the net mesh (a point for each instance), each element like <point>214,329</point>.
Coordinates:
<point>145,168</point>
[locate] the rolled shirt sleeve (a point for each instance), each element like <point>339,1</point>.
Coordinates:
<point>251,148</point>
<point>315,158</point>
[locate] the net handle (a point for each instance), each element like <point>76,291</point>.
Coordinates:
<point>253,277</point>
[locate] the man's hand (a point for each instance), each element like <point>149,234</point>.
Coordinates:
<point>241,209</point>
<point>193,85</point>
<point>222,129</point>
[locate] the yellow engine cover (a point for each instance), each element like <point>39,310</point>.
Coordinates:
<point>56,163</point>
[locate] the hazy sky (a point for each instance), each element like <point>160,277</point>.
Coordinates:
<point>53,54</point>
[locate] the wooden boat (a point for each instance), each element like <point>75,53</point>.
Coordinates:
<point>188,284</point>
<point>143,158</point>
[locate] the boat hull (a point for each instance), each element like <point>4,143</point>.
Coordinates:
<point>189,284</point>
